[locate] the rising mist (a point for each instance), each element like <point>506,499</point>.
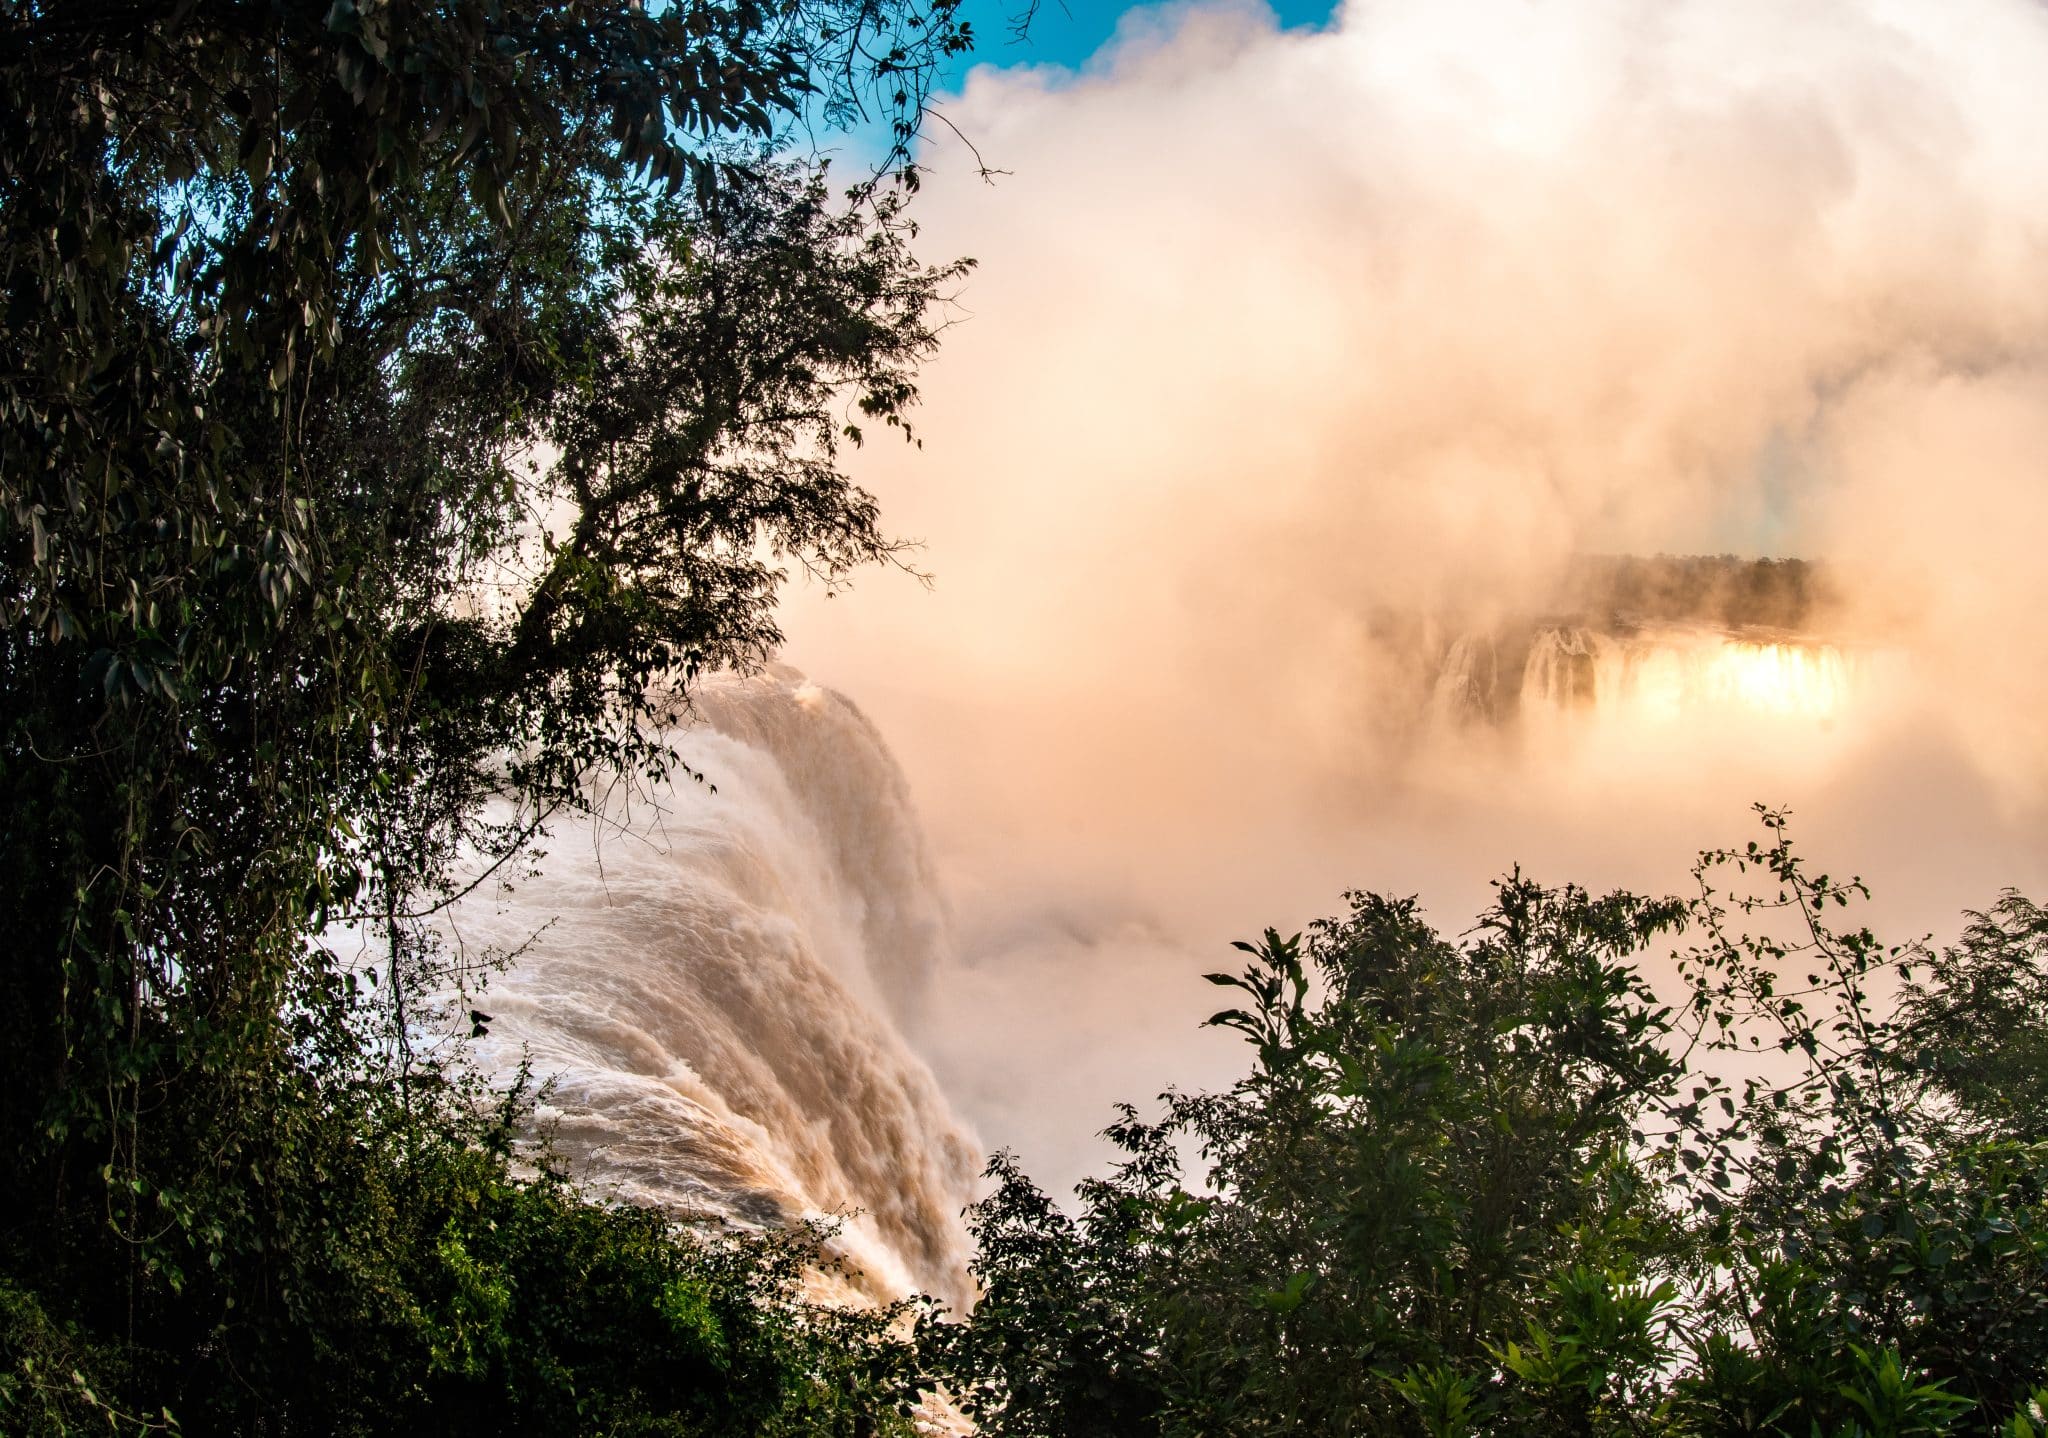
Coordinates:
<point>1274,333</point>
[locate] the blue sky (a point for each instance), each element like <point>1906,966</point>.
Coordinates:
<point>1068,34</point>
<point>1059,34</point>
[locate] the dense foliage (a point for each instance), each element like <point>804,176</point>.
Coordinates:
<point>1501,1185</point>
<point>402,402</point>
<point>1739,594</point>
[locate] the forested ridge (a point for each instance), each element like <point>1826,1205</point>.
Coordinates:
<point>404,404</point>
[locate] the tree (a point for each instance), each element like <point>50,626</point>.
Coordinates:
<point>403,404</point>
<point>1993,982</point>
<point>1490,1186</point>
<point>1406,1162</point>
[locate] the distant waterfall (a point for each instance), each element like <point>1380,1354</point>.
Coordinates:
<point>715,981</point>
<point>1573,675</point>
<point>1662,674</point>
<point>1563,670</point>
<point>1467,683</point>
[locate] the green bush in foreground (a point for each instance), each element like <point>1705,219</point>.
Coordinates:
<point>433,1291</point>
<point>1505,1184</point>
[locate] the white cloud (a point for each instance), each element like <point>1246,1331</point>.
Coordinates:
<point>1273,327</point>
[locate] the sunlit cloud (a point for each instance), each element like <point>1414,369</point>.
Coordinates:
<point>1275,331</point>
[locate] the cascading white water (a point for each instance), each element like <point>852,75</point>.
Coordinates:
<point>1563,670</point>
<point>1466,681</point>
<point>1572,676</point>
<point>715,986</point>
<point>1665,674</point>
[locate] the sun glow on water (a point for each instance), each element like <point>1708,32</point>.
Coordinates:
<point>1657,680</point>
<point>1806,680</point>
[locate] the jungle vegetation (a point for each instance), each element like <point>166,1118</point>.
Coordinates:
<point>1610,1165</point>
<point>403,404</point>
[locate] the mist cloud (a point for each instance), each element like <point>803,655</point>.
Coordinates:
<point>1274,328</point>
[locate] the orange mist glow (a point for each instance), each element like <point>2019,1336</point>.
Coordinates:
<point>1273,332</point>
<point>1687,678</point>
<point>1791,679</point>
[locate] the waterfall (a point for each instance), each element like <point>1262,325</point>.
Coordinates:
<point>1661,675</point>
<point>1570,677</point>
<point>1467,682</point>
<point>1563,670</point>
<point>719,985</point>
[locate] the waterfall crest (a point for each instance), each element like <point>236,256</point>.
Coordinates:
<point>714,981</point>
